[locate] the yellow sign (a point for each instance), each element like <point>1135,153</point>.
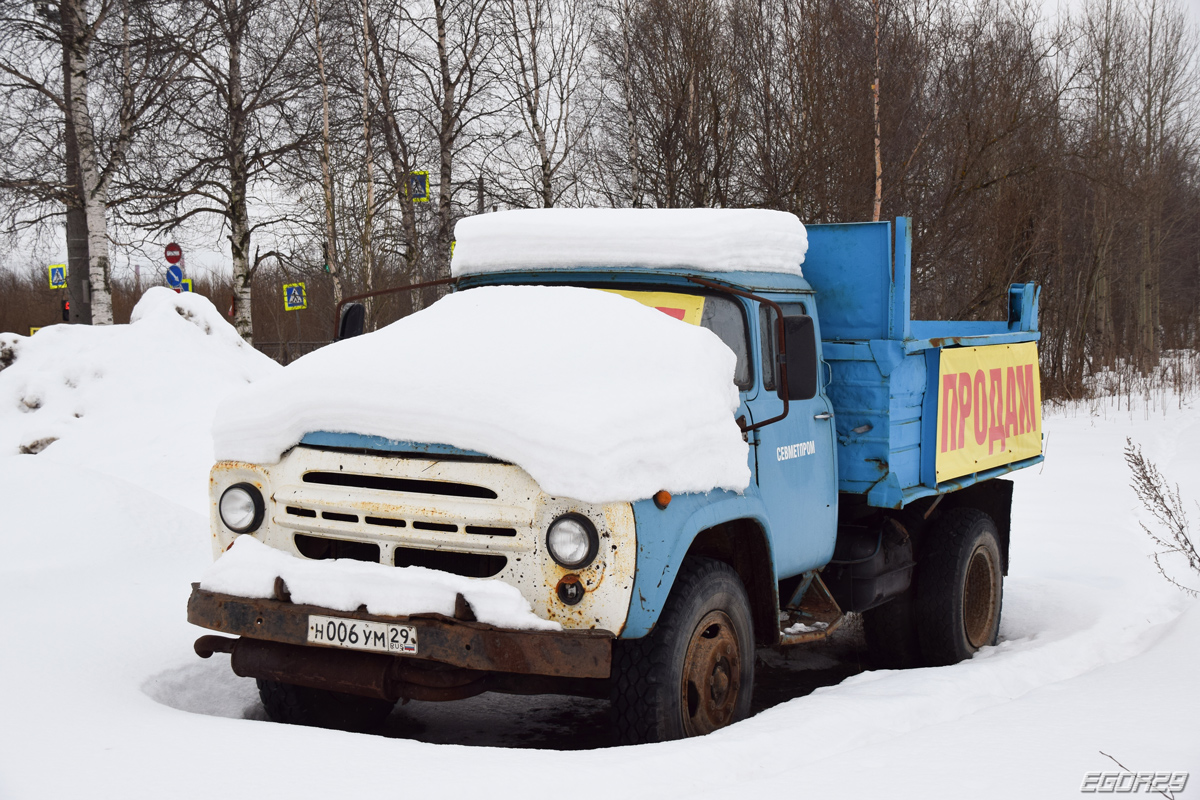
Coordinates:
<point>989,408</point>
<point>686,307</point>
<point>32,331</point>
<point>418,187</point>
<point>294,297</point>
<point>185,285</point>
<point>58,276</point>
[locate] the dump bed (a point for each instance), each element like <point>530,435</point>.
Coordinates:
<point>921,407</point>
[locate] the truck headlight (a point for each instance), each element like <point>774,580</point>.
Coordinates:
<point>572,541</point>
<point>242,508</point>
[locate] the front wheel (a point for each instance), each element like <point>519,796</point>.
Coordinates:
<point>960,588</point>
<point>695,672</point>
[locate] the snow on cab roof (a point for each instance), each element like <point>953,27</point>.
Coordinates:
<point>702,239</point>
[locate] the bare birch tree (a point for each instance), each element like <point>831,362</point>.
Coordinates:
<point>878,203</point>
<point>368,254</point>
<point>614,152</point>
<point>1104,71</point>
<point>95,128</point>
<point>449,49</point>
<point>546,47</point>
<point>235,131</point>
<point>330,250</point>
<point>387,34</point>
<point>1163,100</point>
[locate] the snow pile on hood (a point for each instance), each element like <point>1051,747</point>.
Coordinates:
<point>704,239</point>
<point>127,400</point>
<point>598,397</point>
<point>249,569</point>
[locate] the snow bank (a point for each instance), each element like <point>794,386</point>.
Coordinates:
<point>704,239</point>
<point>131,400</point>
<point>596,396</point>
<point>1098,653</point>
<point>249,569</point>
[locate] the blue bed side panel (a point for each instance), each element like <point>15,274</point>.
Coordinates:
<point>884,365</point>
<point>879,401</point>
<point>843,265</point>
<point>861,274</point>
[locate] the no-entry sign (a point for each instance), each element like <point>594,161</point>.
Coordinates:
<point>173,253</point>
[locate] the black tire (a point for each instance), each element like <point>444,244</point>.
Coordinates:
<point>300,705</point>
<point>961,587</point>
<point>695,672</point>
<point>891,633</point>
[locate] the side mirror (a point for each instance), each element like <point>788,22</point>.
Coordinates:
<point>353,321</point>
<point>800,337</point>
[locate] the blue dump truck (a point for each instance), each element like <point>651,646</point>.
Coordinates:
<point>875,442</point>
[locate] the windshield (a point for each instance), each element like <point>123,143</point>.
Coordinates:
<point>721,315</point>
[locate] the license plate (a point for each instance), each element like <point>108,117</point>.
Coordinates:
<point>357,634</point>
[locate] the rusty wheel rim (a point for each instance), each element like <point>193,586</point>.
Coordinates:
<point>980,598</point>
<point>712,675</point>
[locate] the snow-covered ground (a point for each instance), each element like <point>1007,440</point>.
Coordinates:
<point>104,529</point>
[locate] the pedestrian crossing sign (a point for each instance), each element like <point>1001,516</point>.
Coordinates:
<point>294,297</point>
<point>185,285</point>
<point>418,186</point>
<point>58,276</point>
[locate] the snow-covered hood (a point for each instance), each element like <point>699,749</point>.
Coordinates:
<point>596,396</point>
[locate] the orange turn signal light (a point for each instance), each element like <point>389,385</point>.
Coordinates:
<point>662,498</point>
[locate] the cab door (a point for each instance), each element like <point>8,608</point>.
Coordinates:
<point>797,466</point>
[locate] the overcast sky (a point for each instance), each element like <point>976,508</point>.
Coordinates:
<point>1192,6</point>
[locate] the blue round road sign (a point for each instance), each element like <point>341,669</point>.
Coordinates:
<point>174,276</point>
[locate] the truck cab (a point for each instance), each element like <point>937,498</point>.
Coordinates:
<point>658,601</point>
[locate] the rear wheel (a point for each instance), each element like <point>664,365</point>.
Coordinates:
<point>301,705</point>
<point>961,587</point>
<point>695,672</point>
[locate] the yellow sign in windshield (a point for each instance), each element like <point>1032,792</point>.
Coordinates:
<point>686,307</point>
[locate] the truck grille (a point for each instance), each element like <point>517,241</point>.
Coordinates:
<point>381,483</point>
<point>405,512</point>
<point>470,565</point>
<point>320,548</point>
<point>388,522</point>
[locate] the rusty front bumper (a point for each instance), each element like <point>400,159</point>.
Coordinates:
<point>471,646</point>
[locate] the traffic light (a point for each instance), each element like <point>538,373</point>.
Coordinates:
<point>66,309</point>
